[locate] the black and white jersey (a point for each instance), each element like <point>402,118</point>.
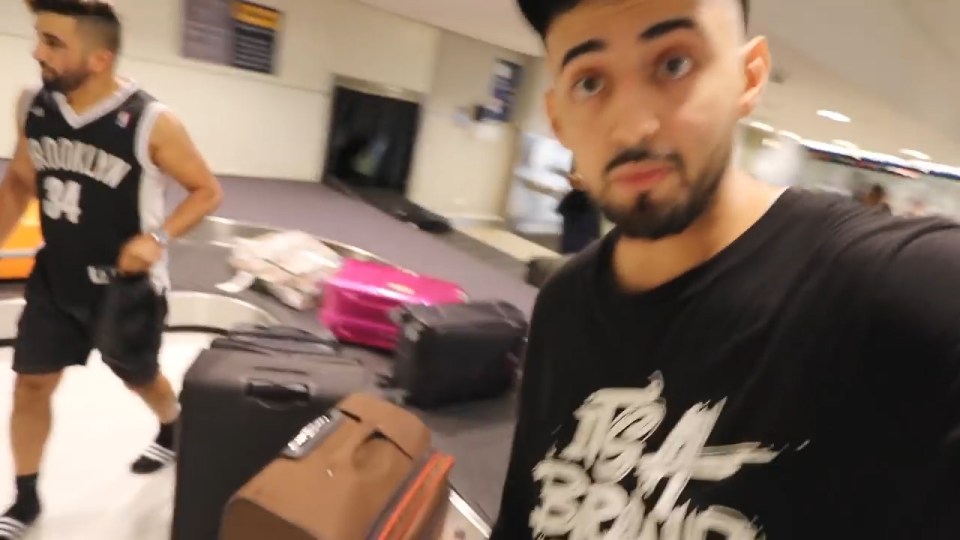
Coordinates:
<point>97,185</point>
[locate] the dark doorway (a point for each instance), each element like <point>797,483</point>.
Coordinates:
<point>371,141</point>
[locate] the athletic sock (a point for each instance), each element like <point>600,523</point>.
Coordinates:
<point>159,454</point>
<point>24,512</point>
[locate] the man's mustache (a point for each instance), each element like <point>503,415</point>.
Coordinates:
<point>639,154</point>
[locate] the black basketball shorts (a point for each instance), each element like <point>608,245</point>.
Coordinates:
<point>53,335</point>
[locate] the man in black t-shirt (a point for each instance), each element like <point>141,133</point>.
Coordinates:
<point>733,361</point>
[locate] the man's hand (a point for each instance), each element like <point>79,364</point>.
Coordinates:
<point>139,255</point>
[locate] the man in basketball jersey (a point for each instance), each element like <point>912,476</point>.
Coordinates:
<point>94,149</point>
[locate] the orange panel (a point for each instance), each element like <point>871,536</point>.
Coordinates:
<point>17,254</point>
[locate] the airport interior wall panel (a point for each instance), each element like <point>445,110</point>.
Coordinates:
<point>17,70</point>
<point>455,172</point>
<point>373,45</point>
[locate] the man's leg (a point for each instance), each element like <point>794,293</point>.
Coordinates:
<point>29,430</point>
<point>160,397</point>
<point>48,341</point>
<point>140,371</point>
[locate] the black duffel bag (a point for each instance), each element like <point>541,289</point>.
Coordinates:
<point>456,353</point>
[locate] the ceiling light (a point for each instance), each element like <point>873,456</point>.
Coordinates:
<point>835,116</point>
<point>791,135</point>
<point>762,127</point>
<point>846,144</point>
<point>915,154</point>
<point>770,143</point>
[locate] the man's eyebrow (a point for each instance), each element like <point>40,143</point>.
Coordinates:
<point>665,27</point>
<point>50,37</point>
<point>587,47</point>
<point>654,32</point>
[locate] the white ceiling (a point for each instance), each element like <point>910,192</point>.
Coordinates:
<point>893,66</point>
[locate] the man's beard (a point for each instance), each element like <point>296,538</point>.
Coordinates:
<point>648,219</point>
<point>65,82</point>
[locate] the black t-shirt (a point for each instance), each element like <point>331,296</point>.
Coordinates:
<point>801,384</point>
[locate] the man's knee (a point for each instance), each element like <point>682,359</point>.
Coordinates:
<point>34,389</point>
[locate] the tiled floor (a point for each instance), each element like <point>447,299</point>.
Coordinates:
<point>99,428</point>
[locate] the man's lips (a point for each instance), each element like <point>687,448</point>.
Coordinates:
<point>640,175</point>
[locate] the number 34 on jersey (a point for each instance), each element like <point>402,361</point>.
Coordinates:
<point>61,199</point>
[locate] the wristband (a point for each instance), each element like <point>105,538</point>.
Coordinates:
<point>160,236</point>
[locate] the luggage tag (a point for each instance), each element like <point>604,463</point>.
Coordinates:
<point>311,435</point>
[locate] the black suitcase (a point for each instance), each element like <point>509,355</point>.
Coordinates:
<point>239,409</point>
<point>278,339</point>
<point>455,353</point>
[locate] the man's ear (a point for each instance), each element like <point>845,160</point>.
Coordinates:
<point>101,59</point>
<point>756,65</point>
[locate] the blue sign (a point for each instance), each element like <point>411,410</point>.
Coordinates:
<point>506,80</point>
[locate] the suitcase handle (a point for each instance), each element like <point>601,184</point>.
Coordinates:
<point>278,395</point>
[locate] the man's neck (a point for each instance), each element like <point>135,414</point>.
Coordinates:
<point>92,92</point>
<point>739,203</point>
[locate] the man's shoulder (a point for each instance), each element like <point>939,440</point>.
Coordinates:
<point>577,267</point>
<point>30,101</point>
<point>566,283</point>
<point>850,235</point>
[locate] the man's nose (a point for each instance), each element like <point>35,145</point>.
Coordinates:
<point>633,116</point>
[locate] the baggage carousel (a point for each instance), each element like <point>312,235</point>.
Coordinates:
<point>478,435</point>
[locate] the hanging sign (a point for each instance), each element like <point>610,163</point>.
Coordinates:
<point>255,29</point>
<point>207,32</point>
<point>235,33</point>
<point>506,80</point>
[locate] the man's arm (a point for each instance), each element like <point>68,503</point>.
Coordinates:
<point>916,315</point>
<point>19,183</point>
<point>174,153</point>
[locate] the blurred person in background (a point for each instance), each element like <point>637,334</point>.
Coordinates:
<point>877,196</point>
<point>581,217</point>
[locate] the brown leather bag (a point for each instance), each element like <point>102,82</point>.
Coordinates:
<point>365,471</point>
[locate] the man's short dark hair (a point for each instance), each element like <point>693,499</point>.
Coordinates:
<point>541,13</point>
<point>95,16</point>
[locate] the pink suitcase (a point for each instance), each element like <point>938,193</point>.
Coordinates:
<point>358,299</point>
